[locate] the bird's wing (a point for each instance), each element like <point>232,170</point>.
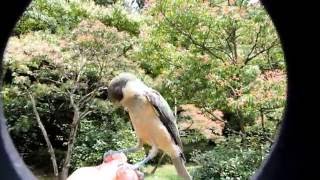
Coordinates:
<point>165,114</point>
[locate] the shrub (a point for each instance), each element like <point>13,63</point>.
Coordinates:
<point>236,158</point>
<point>51,15</point>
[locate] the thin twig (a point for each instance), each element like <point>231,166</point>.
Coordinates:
<point>261,51</point>
<point>212,114</point>
<point>189,36</point>
<point>83,115</point>
<point>155,168</point>
<point>254,45</point>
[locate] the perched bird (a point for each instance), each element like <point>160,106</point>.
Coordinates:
<point>152,119</point>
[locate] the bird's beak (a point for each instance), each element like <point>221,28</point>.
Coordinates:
<point>103,93</point>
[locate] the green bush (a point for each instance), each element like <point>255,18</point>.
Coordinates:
<point>237,158</point>
<point>61,16</point>
<point>51,15</point>
<point>106,129</point>
<point>119,19</point>
<point>91,51</point>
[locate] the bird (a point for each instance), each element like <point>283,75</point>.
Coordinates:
<point>152,119</point>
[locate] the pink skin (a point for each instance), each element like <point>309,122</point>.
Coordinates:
<point>114,167</point>
<point>123,172</point>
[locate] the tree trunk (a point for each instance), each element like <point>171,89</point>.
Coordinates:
<point>71,141</point>
<point>45,135</point>
<point>262,120</point>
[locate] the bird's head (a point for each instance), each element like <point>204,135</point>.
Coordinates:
<point>117,84</point>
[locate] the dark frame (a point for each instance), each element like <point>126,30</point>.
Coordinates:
<point>292,149</point>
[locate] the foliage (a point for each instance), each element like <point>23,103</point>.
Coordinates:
<point>62,16</point>
<point>213,57</point>
<point>120,20</point>
<point>210,54</point>
<point>108,133</point>
<point>51,15</point>
<point>88,58</point>
<point>237,158</point>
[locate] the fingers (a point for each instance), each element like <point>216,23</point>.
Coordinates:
<point>116,156</point>
<point>140,175</point>
<point>126,173</point>
<point>124,170</point>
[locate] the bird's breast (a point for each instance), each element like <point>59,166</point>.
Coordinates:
<point>144,121</point>
<point>150,129</point>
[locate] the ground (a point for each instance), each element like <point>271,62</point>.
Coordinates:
<point>164,172</point>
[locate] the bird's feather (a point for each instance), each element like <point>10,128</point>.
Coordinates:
<point>166,116</point>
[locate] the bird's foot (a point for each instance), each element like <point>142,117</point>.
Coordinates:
<point>135,167</point>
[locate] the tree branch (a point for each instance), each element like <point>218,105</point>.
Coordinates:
<point>50,80</point>
<point>72,138</point>
<point>254,45</point>
<point>45,135</point>
<point>213,115</point>
<point>83,115</point>
<point>155,168</point>
<point>87,97</point>
<point>260,52</point>
<point>229,46</point>
<point>224,51</point>
<point>206,35</point>
<point>189,36</point>
<point>234,42</point>
<point>192,122</point>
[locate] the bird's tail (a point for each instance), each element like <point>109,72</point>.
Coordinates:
<point>178,163</point>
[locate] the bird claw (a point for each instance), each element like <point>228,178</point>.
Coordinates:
<point>135,167</point>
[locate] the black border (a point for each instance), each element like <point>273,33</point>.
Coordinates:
<point>293,148</point>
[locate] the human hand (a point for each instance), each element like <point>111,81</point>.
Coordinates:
<point>114,167</point>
